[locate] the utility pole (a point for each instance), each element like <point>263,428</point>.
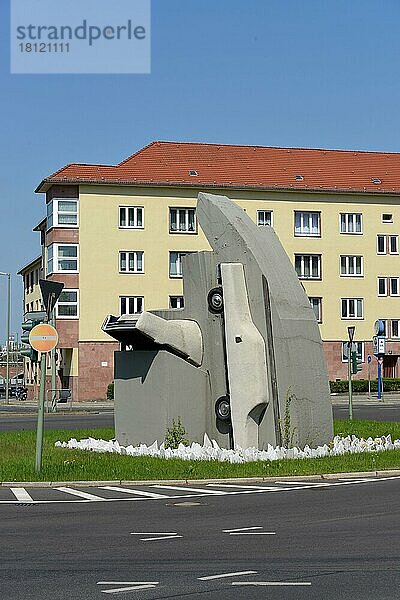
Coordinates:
<point>350,331</point>
<point>8,275</point>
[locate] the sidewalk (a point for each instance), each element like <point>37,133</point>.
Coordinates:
<point>389,398</point>
<point>30,406</point>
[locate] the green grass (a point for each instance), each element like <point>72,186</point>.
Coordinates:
<point>17,458</point>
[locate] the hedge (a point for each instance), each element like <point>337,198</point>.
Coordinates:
<point>110,391</point>
<point>361,385</point>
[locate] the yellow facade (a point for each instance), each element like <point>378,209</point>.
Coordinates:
<point>101,240</point>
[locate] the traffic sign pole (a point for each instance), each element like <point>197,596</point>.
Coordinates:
<point>40,421</point>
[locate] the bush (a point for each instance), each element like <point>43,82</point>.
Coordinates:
<point>361,385</point>
<point>175,435</point>
<point>110,392</point>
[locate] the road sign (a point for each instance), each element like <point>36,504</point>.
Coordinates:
<point>369,359</point>
<point>378,345</point>
<point>51,291</point>
<point>43,337</point>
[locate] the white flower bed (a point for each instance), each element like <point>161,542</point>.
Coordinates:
<point>211,451</point>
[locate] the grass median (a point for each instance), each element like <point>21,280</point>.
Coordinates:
<point>17,459</point>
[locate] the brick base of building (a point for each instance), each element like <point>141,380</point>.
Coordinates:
<point>337,369</point>
<point>96,369</point>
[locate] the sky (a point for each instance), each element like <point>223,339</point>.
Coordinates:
<point>298,73</point>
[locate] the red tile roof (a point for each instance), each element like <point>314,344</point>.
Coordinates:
<point>218,165</point>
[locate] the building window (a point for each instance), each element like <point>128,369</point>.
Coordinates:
<point>176,302</point>
<point>352,308</point>
<point>131,262</point>
<point>307,223</point>
<point>182,220</point>
<point>316,305</point>
<point>388,286</point>
<point>308,266</point>
<point>62,212</point>
<point>264,217</point>
<point>67,305</point>
<point>387,244</point>
<point>382,286</point>
<point>387,218</point>
<point>351,266</point>
<point>394,328</point>
<point>131,305</point>
<point>131,217</point>
<point>351,223</point>
<point>62,258</point>
<point>356,346</point>
<point>175,263</point>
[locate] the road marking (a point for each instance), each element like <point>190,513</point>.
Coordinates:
<point>127,582</point>
<point>152,533</point>
<point>130,588</point>
<point>134,492</point>
<point>21,494</point>
<point>254,533</point>
<point>164,537</point>
<point>246,487</point>
<point>241,529</point>
<point>85,495</point>
<point>226,575</point>
<point>271,582</point>
<point>189,489</point>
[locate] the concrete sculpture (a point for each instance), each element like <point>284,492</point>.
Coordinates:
<point>242,362</point>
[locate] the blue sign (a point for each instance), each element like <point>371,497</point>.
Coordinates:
<point>369,359</point>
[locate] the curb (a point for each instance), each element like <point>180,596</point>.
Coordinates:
<point>122,482</point>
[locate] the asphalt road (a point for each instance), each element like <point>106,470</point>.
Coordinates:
<point>9,422</point>
<point>92,420</point>
<point>330,542</point>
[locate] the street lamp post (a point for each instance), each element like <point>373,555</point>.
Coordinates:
<point>8,275</point>
<point>350,331</point>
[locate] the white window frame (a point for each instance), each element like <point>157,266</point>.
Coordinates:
<point>180,254</point>
<point>135,300</point>
<point>351,258</point>
<point>395,337</point>
<point>391,293</point>
<point>355,315</point>
<point>56,258</point>
<point>261,220</point>
<point>387,244</point>
<point>180,301</point>
<point>185,210</point>
<point>319,304</point>
<point>378,282</point>
<point>359,346</point>
<point>390,237</point>
<point>135,270</point>
<point>54,211</point>
<point>310,257</point>
<point>390,220</point>
<point>306,218</point>
<point>75,303</point>
<point>350,217</point>
<point>126,209</point>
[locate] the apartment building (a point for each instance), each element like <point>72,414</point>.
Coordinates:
<point>115,236</point>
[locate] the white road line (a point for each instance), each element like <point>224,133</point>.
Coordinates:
<point>254,533</point>
<point>246,487</point>
<point>188,489</point>
<point>164,537</point>
<point>241,529</point>
<point>153,533</point>
<point>271,583</point>
<point>85,495</point>
<point>226,575</point>
<point>21,494</point>
<point>129,589</point>
<point>127,582</point>
<point>134,492</point>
